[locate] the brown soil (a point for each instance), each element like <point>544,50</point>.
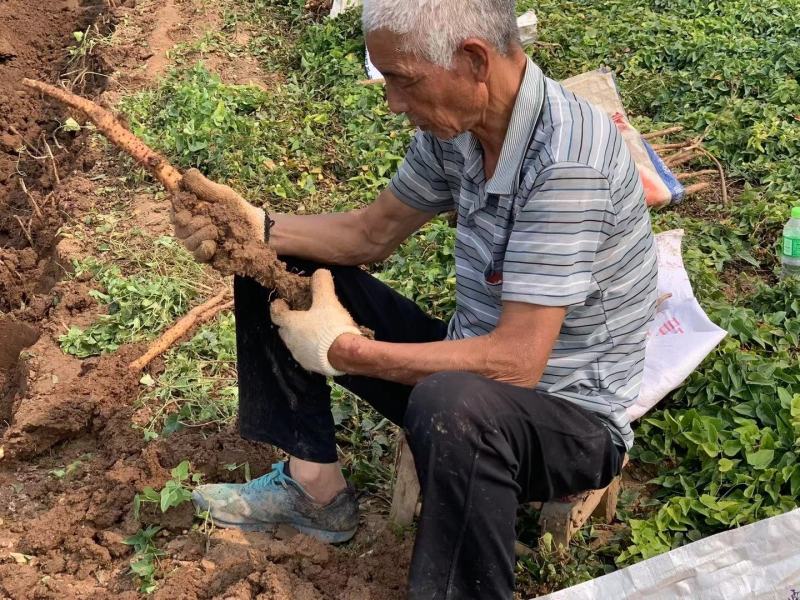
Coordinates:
<point>71,460</point>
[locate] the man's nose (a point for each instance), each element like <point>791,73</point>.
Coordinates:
<point>396,101</point>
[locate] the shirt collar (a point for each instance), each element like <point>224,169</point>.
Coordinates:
<point>467,144</point>
<point>526,113</point>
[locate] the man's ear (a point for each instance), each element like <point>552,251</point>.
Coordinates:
<point>477,54</point>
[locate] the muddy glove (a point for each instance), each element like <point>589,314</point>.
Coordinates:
<point>309,334</point>
<point>197,232</point>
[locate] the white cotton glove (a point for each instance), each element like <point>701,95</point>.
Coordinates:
<point>309,334</point>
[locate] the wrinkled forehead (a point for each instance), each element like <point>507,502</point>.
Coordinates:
<point>387,52</point>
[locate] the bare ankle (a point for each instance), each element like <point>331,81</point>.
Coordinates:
<point>320,481</point>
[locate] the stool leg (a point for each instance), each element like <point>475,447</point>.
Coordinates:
<point>556,519</point>
<point>607,508</point>
<point>406,486</point>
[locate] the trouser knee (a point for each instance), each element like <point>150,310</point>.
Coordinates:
<point>447,406</point>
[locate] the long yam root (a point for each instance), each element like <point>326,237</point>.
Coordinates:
<point>238,253</point>
<point>197,316</point>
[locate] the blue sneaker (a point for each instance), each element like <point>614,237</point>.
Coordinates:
<point>274,499</point>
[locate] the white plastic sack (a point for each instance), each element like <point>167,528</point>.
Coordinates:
<point>758,562</point>
<point>681,335</point>
<point>339,6</point>
<point>528,27</point>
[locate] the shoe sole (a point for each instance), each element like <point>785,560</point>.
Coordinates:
<point>323,535</point>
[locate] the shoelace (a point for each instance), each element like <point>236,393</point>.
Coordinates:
<point>271,480</point>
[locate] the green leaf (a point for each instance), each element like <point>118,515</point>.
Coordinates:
<point>795,409</point>
<point>794,482</point>
<point>71,125</point>
<point>143,568</point>
<point>181,472</point>
<point>760,459</point>
<point>150,494</point>
<point>726,464</point>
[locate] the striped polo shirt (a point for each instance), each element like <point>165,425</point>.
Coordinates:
<point>562,222</point>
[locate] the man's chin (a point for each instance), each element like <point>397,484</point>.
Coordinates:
<point>444,135</point>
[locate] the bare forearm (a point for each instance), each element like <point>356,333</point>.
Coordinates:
<point>357,237</point>
<point>333,238</point>
<point>516,352</point>
<point>409,363</point>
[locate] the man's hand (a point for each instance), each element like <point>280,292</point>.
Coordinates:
<point>309,334</point>
<point>197,232</point>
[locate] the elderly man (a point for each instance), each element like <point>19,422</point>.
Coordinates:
<point>522,396</point>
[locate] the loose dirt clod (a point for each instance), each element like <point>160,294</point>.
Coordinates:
<point>239,253</point>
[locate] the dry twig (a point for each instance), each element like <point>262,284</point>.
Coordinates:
<point>675,146</point>
<point>52,160</point>
<point>31,199</point>
<point>721,171</point>
<point>696,188</point>
<point>663,132</point>
<point>25,230</point>
<point>681,158</point>
<point>694,174</point>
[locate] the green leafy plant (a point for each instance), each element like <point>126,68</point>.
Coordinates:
<point>71,469</point>
<point>423,269</point>
<point>144,563</point>
<point>138,308</point>
<point>198,384</point>
<point>365,441</point>
<point>174,493</point>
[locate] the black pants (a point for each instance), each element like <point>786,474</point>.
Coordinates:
<point>480,446</point>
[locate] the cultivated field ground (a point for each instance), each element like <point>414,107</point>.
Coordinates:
<point>97,464</point>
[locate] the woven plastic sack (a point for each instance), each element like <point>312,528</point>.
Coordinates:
<point>661,187</point>
<point>681,336</point>
<point>757,562</point>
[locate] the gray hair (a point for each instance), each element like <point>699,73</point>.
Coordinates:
<point>434,29</point>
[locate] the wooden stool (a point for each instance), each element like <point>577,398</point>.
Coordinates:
<point>560,518</point>
<point>406,486</point>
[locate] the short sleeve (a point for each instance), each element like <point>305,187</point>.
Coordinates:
<point>556,236</point>
<point>421,181</point>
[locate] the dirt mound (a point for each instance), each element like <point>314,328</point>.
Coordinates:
<point>16,337</point>
<point>28,272</point>
<point>33,42</point>
<point>33,38</point>
<point>242,565</point>
<point>77,397</point>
